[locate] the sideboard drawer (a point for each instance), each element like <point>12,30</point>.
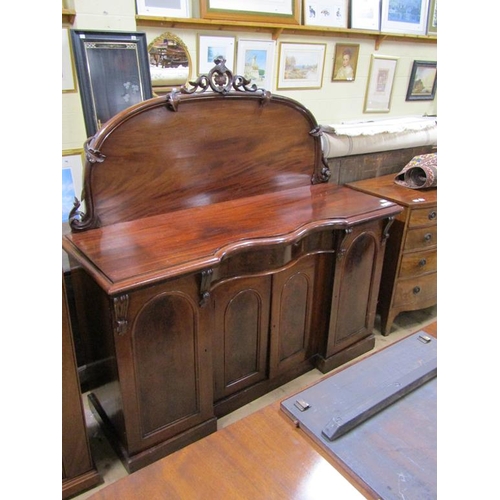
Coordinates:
<point>424,237</point>
<point>423,217</point>
<point>417,263</point>
<point>416,291</point>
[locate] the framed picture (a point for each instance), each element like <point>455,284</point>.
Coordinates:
<point>432,18</point>
<point>345,62</point>
<point>255,61</point>
<point>380,83</point>
<point>209,47</point>
<point>72,180</point>
<point>365,15</point>
<point>113,73</point>
<point>68,69</point>
<point>267,11</point>
<point>163,8</point>
<point>325,13</point>
<point>404,16</point>
<point>301,65</point>
<point>423,81</point>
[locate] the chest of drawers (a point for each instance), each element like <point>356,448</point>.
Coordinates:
<point>409,276</point>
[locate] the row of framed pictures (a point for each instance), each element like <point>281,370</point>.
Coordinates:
<point>389,16</point>
<point>113,69</point>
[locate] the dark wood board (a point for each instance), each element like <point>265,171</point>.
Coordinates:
<point>394,452</point>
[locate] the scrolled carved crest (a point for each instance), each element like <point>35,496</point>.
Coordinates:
<point>219,79</point>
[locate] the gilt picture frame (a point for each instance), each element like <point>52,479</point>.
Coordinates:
<point>255,61</point>
<point>301,65</point>
<point>380,84</point>
<point>423,81</point>
<point>113,73</point>
<point>432,20</point>
<point>345,62</point>
<point>267,11</point>
<point>68,67</point>
<point>72,179</point>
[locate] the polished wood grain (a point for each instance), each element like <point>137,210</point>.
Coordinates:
<point>260,457</point>
<point>147,250</point>
<point>217,261</point>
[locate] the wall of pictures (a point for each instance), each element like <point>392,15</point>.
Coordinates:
<point>330,74</point>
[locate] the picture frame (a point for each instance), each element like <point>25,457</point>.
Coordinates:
<point>72,179</point>
<point>327,13</point>
<point>380,84</point>
<point>423,81</point>
<point>301,65</point>
<point>266,11</point>
<point>255,61</point>
<point>432,22</point>
<point>209,47</point>
<point>113,73</point>
<point>164,8</point>
<point>404,16</point>
<point>364,15</point>
<point>68,67</point>
<point>345,62</point>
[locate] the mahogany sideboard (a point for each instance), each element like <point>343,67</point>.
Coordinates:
<point>215,261</point>
<point>409,276</point>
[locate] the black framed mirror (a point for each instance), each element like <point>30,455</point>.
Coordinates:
<point>113,73</point>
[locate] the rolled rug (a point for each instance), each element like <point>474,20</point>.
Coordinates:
<point>419,173</point>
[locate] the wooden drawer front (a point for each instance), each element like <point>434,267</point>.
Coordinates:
<point>424,237</point>
<point>417,263</point>
<point>423,217</point>
<point>412,292</point>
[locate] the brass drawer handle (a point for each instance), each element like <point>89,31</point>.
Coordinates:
<point>422,263</point>
<point>432,215</point>
<point>416,290</point>
<point>428,237</point>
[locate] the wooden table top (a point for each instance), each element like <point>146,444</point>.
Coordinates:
<point>145,250</point>
<point>385,186</point>
<point>262,456</point>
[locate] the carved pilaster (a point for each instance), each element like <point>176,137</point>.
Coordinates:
<point>341,250</point>
<point>120,305</point>
<point>206,280</point>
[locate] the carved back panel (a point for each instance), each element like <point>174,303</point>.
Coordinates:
<point>193,148</point>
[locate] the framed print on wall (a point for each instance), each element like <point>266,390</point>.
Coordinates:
<point>432,18</point>
<point>72,173</point>
<point>301,65</point>
<point>255,61</point>
<point>365,15</point>
<point>423,81</point>
<point>113,73</point>
<point>163,8</point>
<point>380,84</point>
<point>345,62</point>
<point>329,13</point>
<point>404,16</point>
<point>267,11</point>
<point>209,47</point>
<point>68,70</point>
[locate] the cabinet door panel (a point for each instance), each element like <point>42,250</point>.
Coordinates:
<point>165,357</point>
<point>293,294</point>
<point>164,363</point>
<point>241,333</point>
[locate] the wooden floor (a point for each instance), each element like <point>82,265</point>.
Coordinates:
<point>112,470</point>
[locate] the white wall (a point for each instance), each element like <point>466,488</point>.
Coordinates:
<point>333,103</point>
